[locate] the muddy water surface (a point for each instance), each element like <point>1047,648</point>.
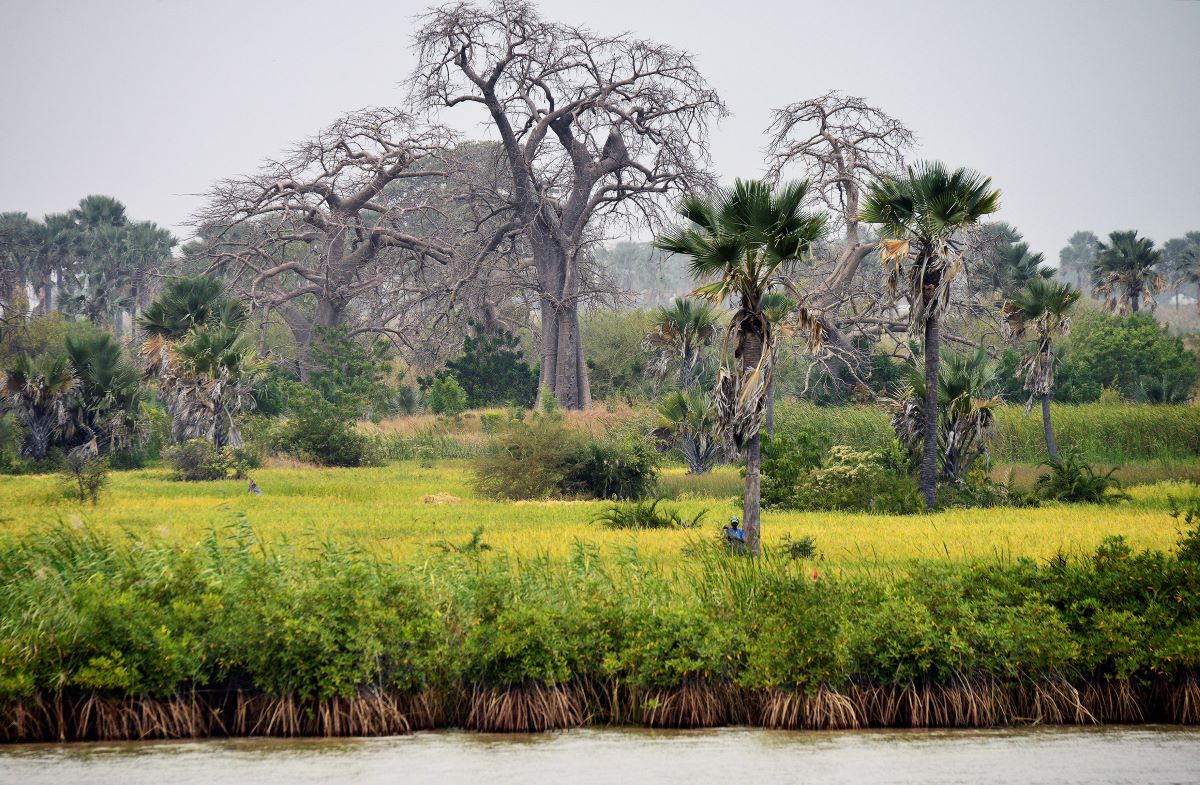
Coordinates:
<point>1145,755</point>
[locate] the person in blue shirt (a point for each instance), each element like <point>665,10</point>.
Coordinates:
<point>735,538</point>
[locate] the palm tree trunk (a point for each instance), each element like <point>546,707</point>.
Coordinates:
<point>1051,446</point>
<point>929,449</point>
<point>752,506</point>
<point>751,509</point>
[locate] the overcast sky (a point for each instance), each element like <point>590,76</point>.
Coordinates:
<point>1084,114</point>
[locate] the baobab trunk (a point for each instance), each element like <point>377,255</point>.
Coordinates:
<point>1051,445</point>
<point>929,447</point>
<point>564,371</point>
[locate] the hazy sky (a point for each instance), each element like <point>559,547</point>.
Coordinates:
<point>1084,113</point>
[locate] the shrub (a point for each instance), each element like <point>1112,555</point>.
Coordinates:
<point>1127,352</point>
<point>612,469</point>
<point>492,370</point>
<point>646,515</point>
<point>787,455</point>
<point>323,432</point>
<point>545,457</point>
<point>350,372</point>
<point>847,479</point>
<point>1188,548</point>
<point>85,474</point>
<point>197,460</point>
<point>11,437</point>
<point>853,480</point>
<point>446,396</point>
<point>979,490</point>
<point>800,548</point>
<point>1072,480</point>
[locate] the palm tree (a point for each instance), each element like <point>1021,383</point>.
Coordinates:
<point>98,210</point>
<point>746,236</point>
<point>196,348</point>
<point>1046,306</point>
<point>1125,270</point>
<point>18,244</point>
<point>38,390</point>
<point>778,307</point>
<point>681,331</point>
<point>1016,266</point>
<point>922,215</point>
<point>109,401</point>
<point>965,419</point>
<point>149,246</point>
<point>1190,268</point>
<point>1077,258</point>
<point>686,417</point>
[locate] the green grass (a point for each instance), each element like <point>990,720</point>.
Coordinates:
<point>383,511</point>
<point>1100,433</point>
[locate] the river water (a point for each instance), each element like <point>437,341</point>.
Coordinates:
<point>1145,755</point>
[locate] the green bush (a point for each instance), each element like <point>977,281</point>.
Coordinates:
<point>492,370</point>
<point>787,455</point>
<point>84,475</point>
<point>350,372</point>
<point>197,460</point>
<point>11,437</point>
<point>1071,480</point>
<point>86,614</point>
<point>446,396</point>
<point>323,432</point>
<point>1127,352</point>
<point>798,477</point>
<point>545,457</point>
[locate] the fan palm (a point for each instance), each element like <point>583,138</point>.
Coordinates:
<point>746,237</point>
<point>1190,272</point>
<point>966,413</point>
<point>1016,266</point>
<point>1045,306</point>
<point>686,418</point>
<point>109,401</point>
<point>38,391</point>
<point>778,307</point>
<point>1126,270</point>
<point>188,303</point>
<point>681,331</point>
<point>99,210</point>
<point>922,215</point>
<point>196,349</point>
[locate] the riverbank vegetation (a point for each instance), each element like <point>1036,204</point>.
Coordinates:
<point>106,637</point>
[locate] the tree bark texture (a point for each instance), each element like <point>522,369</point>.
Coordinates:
<point>929,449</point>
<point>1051,445</point>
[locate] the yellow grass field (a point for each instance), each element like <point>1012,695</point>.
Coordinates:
<point>384,511</point>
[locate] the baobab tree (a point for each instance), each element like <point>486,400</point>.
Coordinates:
<point>339,218</point>
<point>595,130</point>
<point>841,144</point>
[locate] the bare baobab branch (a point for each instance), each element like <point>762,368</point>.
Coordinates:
<point>595,130</point>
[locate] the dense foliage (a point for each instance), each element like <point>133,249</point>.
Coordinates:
<point>544,457</point>
<point>152,620</point>
<point>492,371</point>
<point>322,431</point>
